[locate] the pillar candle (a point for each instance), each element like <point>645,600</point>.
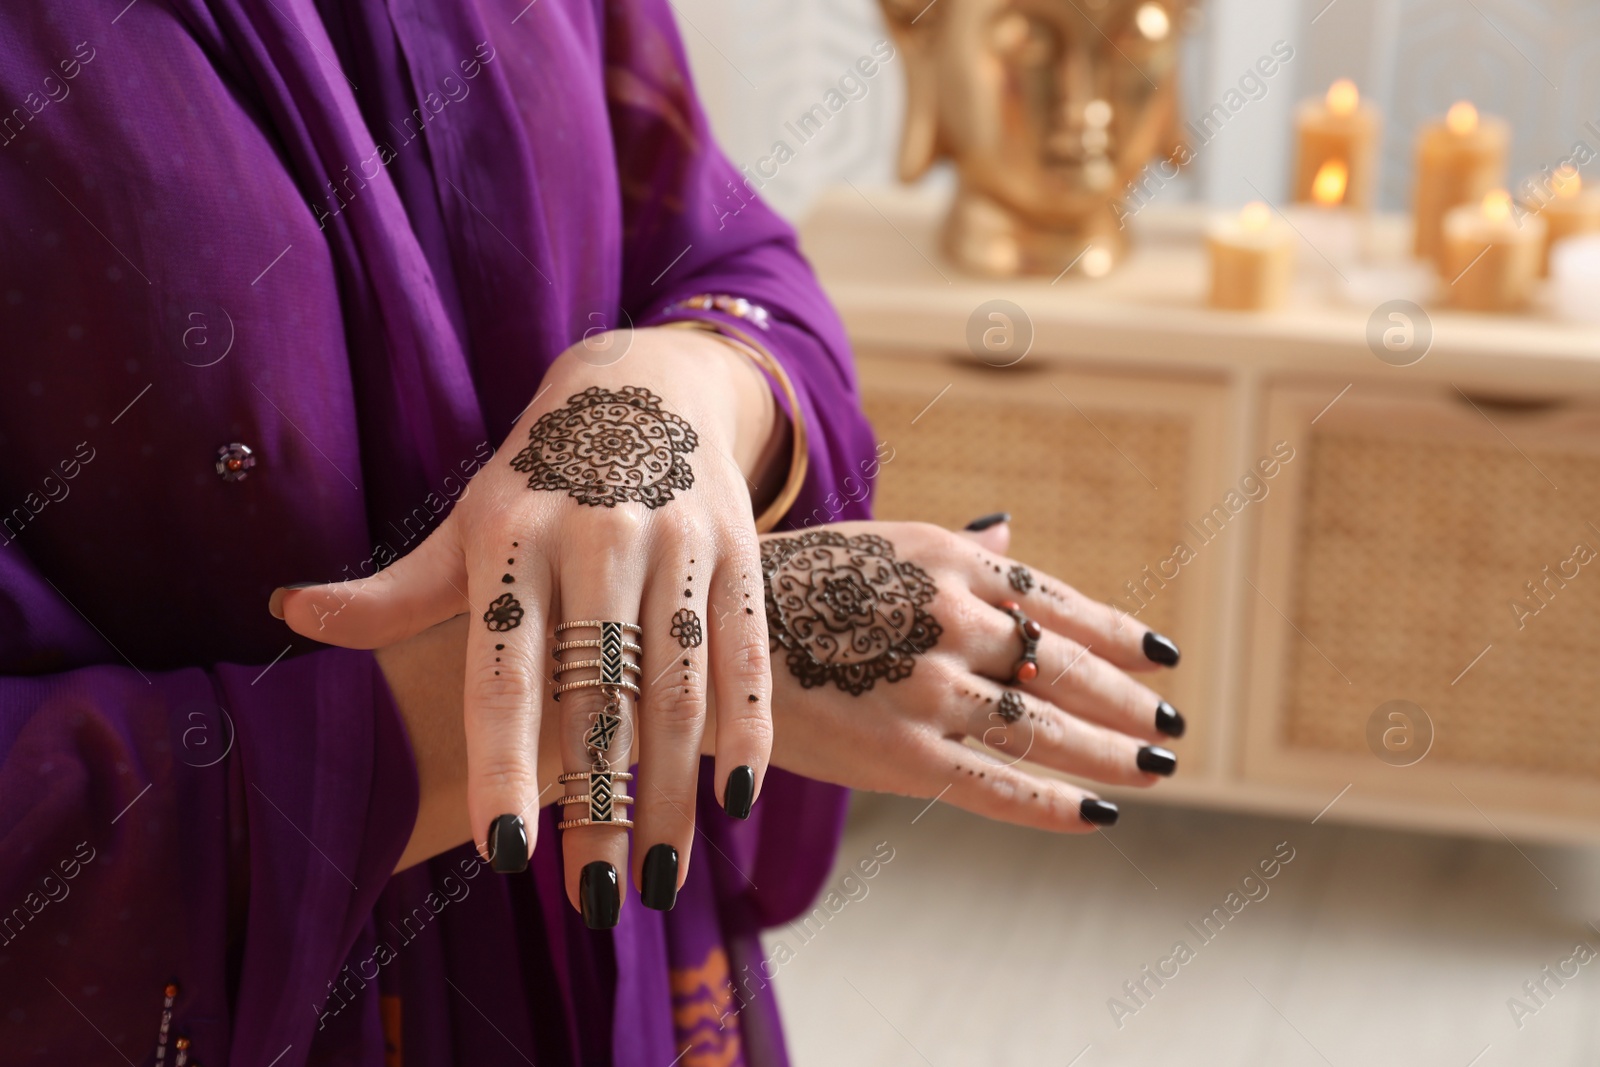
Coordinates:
<point>1336,147</point>
<point>1252,258</point>
<point>1491,259</point>
<point>1459,161</point>
<point>1575,278</point>
<point>1569,210</point>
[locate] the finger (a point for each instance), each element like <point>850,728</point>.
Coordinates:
<point>671,720</point>
<point>993,532</point>
<point>977,782</point>
<point>1116,636</point>
<point>1017,726</point>
<point>741,676</point>
<point>504,687</point>
<point>1070,675</point>
<point>601,578</point>
<point>417,591</point>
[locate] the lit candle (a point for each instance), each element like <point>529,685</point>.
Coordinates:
<point>1459,161</point>
<point>1252,258</point>
<point>1491,260</point>
<point>1336,139</point>
<point>1328,226</point>
<point>1568,211</point>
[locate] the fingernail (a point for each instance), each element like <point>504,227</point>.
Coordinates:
<point>987,521</point>
<point>275,601</point>
<point>1160,649</point>
<point>1156,760</point>
<point>1097,811</point>
<point>658,888</point>
<point>598,896</point>
<point>1169,720</point>
<point>508,844</point>
<point>740,793</point>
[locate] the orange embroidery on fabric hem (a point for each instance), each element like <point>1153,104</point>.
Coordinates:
<point>704,1017</point>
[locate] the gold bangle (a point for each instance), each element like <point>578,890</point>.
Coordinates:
<point>800,458</point>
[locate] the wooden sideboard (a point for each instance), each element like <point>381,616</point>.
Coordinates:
<point>1323,532</point>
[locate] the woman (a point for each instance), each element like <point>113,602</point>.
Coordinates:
<point>281,282</point>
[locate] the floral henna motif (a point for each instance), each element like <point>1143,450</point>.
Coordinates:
<point>845,610</point>
<point>504,614</point>
<point>1020,577</point>
<point>686,628</point>
<point>605,448</point>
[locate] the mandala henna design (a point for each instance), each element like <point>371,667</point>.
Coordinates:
<point>686,628</point>
<point>845,610</point>
<point>605,448</point>
<point>504,614</point>
<point>1020,577</point>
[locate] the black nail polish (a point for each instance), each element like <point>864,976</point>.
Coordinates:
<point>740,793</point>
<point>1097,811</point>
<point>658,887</point>
<point>1169,720</point>
<point>986,521</point>
<point>1156,760</point>
<point>508,844</point>
<point>598,896</point>
<point>1159,649</point>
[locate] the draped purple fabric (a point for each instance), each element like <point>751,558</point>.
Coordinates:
<point>351,235</point>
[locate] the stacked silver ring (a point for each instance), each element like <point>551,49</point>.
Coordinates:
<point>607,806</point>
<point>612,644</point>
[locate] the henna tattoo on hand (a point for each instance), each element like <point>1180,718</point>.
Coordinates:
<point>845,610</point>
<point>504,614</point>
<point>605,448</point>
<point>1020,577</point>
<point>686,628</point>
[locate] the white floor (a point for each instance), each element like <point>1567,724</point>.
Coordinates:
<point>985,944</point>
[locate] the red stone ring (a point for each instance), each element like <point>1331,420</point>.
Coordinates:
<point>1027,668</point>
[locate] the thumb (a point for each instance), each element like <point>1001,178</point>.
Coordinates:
<point>417,591</point>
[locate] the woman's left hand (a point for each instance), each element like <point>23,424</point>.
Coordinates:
<point>895,644</point>
<point>621,495</point>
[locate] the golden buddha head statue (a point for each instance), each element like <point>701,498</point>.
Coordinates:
<point>1047,109</point>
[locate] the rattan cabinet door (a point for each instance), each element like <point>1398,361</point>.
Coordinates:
<point>1100,473</point>
<point>1442,550</point>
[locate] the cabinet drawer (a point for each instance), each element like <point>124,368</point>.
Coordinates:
<point>1439,550</point>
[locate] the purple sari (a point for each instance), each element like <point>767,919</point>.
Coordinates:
<point>350,235</point>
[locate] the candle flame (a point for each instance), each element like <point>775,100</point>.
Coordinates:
<point>1462,118</point>
<point>1565,183</point>
<point>1255,215</point>
<point>1328,187</point>
<point>1152,21</point>
<point>1497,205</point>
<point>1343,96</point>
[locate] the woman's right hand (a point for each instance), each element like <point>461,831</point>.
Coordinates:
<point>890,649</point>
